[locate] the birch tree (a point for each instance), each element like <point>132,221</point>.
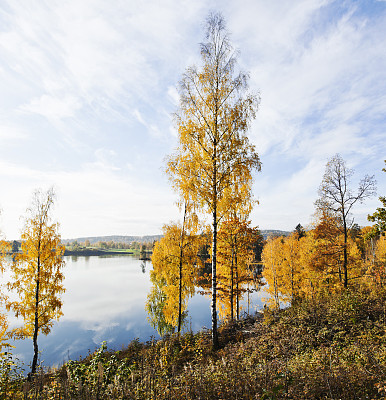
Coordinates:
<point>273,260</point>
<point>174,260</point>
<point>214,159</point>
<point>336,196</point>
<point>37,272</point>
<point>235,257</point>
<point>4,334</point>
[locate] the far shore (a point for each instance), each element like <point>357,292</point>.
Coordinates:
<point>103,252</point>
<point>96,252</point>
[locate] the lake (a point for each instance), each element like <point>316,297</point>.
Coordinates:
<point>105,301</point>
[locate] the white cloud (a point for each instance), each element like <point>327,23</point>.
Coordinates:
<point>151,128</point>
<point>104,160</point>
<point>11,132</point>
<point>53,107</point>
<point>173,95</point>
<point>103,78</point>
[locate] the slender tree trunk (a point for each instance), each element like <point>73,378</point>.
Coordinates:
<point>36,322</point>
<point>232,294</point>
<point>345,261</point>
<point>237,290</point>
<point>248,294</point>
<point>214,188</point>
<point>214,282</point>
<point>180,296</point>
<point>180,278</point>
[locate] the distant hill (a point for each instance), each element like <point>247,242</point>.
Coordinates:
<point>115,238</point>
<point>150,238</point>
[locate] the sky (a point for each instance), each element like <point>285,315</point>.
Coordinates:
<point>88,89</point>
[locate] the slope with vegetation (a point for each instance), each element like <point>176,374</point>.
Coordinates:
<point>332,347</point>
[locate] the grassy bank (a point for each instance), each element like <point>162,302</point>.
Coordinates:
<point>331,348</point>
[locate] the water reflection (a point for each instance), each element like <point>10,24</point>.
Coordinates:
<point>105,299</point>
<point>143,266</point>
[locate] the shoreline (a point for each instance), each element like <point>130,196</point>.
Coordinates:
<point>96,252</point>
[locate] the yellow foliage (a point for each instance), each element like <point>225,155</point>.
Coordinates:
<point>234,258</point>
<point>174,259</point>
<point>212,166</point>
<point>311,277</point>
<point>4,333</point>
<point>291,266</point>
<point>37,272</point>
<point>312,265</point>
<point>335,260</point>
<point>380,251</point>
<point>375,260</point>
<point>273,273</point>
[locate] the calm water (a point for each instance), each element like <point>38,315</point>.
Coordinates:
<point>105,300</point>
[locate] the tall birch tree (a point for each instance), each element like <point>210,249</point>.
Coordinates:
<point>37,272</point>
<point>336,196</point>
<point>214,159</point>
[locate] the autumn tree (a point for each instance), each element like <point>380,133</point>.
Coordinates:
<point>380,255</point>
<point>156,305</point>
<point>236,254</point>
<point>214,159</point>
<point>4,333</point>
<point>273,260</point>
<point>284,269</point>
<point>329,247</point>
<point>174,259</point>
<point>374,257</point>
<point>379,216</point>
<point>37,271</point>
<point>292,268</point>
<point>336,196</point>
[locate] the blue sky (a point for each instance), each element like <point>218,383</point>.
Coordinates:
<point>88,88</point>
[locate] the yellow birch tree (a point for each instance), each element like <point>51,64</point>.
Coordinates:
<point>4,333</point>
<point>214,158</point>
<point>273,272</point>
<point>292,271</point>
<point>37,272</point>
<point>174,259</point>
<point>155,305</point>
<point>311,277</point>
<point>235,256</point>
